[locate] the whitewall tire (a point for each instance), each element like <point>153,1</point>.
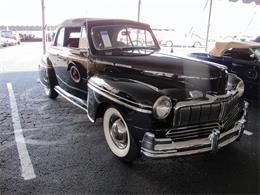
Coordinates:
<point>118,136</point>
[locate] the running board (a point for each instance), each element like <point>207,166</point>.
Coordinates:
<point>74,100</point>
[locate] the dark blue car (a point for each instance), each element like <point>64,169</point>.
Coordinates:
<point>241,58</point>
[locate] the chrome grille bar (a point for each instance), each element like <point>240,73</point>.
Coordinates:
<point>198,120</point>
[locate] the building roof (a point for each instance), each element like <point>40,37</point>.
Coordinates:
<point>221,47</point>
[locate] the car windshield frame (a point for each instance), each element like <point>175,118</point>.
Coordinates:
<point>125,27</point>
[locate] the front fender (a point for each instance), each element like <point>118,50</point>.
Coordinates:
<point>132,98</point>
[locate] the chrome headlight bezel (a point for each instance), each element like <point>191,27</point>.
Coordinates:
<point>162,107</point>
<point>235,84</point>
<point>240,88</point>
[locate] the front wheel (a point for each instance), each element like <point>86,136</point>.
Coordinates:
<point>118,136</point>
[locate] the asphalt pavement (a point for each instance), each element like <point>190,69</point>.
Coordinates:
<point>67,154</point>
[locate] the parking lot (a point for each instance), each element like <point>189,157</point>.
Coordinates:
<point>65,153</point>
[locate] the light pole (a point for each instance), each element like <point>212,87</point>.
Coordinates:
<point>43,27</point>
<point>207,37</point>
<point>139,10</point>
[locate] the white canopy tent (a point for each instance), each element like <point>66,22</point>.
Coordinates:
<point>211,7</point>
<point>257,2</point>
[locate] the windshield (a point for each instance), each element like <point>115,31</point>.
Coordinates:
<point>257,52</point>
<point>122,38</point>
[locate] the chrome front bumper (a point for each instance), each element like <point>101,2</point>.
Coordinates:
<point>165,147</point>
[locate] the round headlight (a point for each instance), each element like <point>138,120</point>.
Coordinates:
<point>162,107</point>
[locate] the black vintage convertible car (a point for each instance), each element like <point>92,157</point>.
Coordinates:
<point>151,104</point>
<point>241,58</point>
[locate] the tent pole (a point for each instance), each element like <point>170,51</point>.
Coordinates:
<point>208,27</point>
<point>43,27</point>
<point>139,10</point>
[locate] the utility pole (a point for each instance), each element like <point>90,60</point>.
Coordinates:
<point>139,10</point>
<point>207,37</point>
<point>43,27</point>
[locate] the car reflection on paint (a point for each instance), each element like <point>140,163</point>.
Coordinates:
<point>241,58</point>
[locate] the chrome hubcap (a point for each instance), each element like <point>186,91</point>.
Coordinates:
<point>75,75</point>
<point>118,133</point>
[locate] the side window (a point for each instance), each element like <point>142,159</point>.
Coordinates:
<point>241,54</point>
<point>72,36</point>
<point>60,39</point>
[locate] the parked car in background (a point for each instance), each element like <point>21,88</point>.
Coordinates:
<point>151,103</point>
<point>241,58</point>
<point>172,38</point>
<point>7,42</point>
<point>13,37</point>
<point>3,42</point>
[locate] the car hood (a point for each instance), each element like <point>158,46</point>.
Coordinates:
<point>176,65</point>
<point>199,75</point>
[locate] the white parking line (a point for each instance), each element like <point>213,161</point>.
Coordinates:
<point>26,164</point>
<point>248,132</point>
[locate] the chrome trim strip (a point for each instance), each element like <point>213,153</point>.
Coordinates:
<point>74,100</point>
<point>172,75</point>
<point>173,132</point>
<point>104,62</point>
<point>123,65</point>
<point>118,101</point>
<point>106,91</point>
<point>199,78</point>
<point>210,99</point>
<point>70,85</point>
<point>145,84</point>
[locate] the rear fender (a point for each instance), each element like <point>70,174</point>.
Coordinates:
<point>47,72</point>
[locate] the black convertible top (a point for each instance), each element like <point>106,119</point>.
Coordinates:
<point>98,21</point>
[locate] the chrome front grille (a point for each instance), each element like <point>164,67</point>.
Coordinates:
<point>190,115</point>
<point>231,117</point>
<point>198,121</point>
<point>191,132</point>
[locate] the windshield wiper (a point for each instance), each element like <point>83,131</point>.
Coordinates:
<point>130,48</point>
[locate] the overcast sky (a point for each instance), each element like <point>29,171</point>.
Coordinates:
<point>227,17</point>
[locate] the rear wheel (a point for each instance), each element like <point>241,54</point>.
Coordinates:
<point>118,136</point>
<point>49,90</point>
